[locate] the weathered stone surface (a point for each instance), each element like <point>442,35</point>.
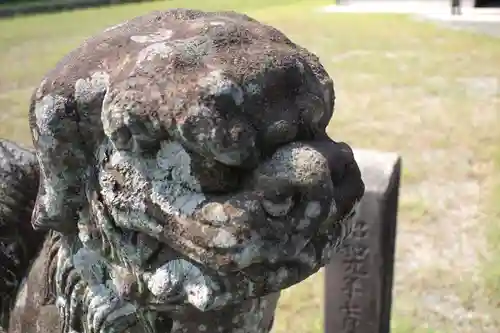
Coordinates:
<point>19,243</point>
<point>186,178</point>
<point>358,280</point>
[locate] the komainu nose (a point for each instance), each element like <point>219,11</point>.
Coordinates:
<point>345,174</point>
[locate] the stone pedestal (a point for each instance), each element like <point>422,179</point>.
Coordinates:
<point>358,281</point>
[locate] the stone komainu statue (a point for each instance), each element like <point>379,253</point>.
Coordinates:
<point>184,178</point>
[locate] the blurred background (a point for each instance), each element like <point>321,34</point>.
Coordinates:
<point>412,80</point>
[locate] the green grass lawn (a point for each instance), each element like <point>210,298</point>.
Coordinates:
<point>430,94</point>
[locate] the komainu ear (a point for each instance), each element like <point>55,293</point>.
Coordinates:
<point>62,159</point>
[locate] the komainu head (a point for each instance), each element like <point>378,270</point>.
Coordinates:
<point>185,164</point>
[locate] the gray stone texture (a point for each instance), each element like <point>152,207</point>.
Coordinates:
<point>358,280</point>
<point>185,178</point>
<point>19,243</point>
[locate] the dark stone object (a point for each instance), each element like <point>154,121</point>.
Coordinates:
<point>358,281</point>
<point>19,243</point>
<point>186,178</point>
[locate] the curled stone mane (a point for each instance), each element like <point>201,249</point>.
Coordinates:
<point>53,243</point>
<point>186,178</point>
<point>83,307</point>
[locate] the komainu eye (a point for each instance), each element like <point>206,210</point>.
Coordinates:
<point>278,206</point>
<point>122,138</point>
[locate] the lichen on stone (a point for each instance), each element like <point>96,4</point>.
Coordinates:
<point>187,176</point>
